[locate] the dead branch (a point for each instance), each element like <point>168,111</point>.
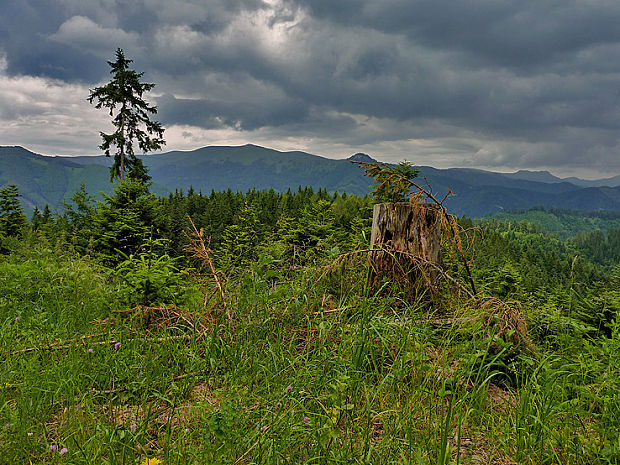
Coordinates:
<point>166,315</point>
<point>331,310</point>
<point>67,345</point>
<point>199,250</point>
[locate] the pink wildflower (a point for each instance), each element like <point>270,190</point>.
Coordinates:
<point>63,451</point>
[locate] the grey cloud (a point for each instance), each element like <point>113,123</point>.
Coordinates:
<point>499,83</point>
<point>241,115</point>
<point>252,114</point>
<point>83,33</point>
<point>509,33</point>
<point>50,38</point>
<point>24,27</point>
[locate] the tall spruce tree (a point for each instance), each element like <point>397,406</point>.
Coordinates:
<point>124,95</point>
<point>12,218</point>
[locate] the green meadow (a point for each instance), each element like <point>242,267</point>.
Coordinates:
<point>121,344</point>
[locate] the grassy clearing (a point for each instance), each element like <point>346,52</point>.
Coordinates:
<point>304,372</point>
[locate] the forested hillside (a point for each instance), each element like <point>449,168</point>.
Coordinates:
<point>564,223</point>
<point>52,180</point>
<point>127,336</point>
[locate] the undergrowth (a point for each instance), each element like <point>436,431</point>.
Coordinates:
<point>304,370</point>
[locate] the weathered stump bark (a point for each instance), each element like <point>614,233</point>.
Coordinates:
<point>406,243</point>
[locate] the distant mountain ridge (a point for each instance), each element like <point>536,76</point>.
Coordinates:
<point>545,176</point>
<point>51,180</point>
<point>538,176</point>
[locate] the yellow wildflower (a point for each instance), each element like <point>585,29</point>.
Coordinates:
<point>151,462</point>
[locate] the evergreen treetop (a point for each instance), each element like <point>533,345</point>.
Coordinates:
<point>12,218</point>
<point>124,95</point>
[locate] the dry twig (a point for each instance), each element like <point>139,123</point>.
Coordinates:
<point>201,251</point>
<point>67,345</point>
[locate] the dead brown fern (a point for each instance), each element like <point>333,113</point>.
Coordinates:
<point>508,320</point>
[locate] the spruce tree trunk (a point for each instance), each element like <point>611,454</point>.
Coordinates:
<point>407,240</point>
<point>122,145</point>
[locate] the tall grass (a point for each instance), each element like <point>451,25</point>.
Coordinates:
<point>304,372</point>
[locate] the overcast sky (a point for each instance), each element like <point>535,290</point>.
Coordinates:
<point>496,84</point>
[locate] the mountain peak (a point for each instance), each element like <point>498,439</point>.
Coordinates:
<point>537,176</point>
<point>363,157</point>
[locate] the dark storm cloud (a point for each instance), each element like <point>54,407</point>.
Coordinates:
<point>242,115</point>
<point>505,33</point>
<point>35,40</point>
<point>497,83</point>
<point>24,29</point>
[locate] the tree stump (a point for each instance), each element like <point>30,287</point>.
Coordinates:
<point>406,247</point>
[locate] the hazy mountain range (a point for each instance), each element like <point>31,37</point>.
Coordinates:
<point>48,180</point>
